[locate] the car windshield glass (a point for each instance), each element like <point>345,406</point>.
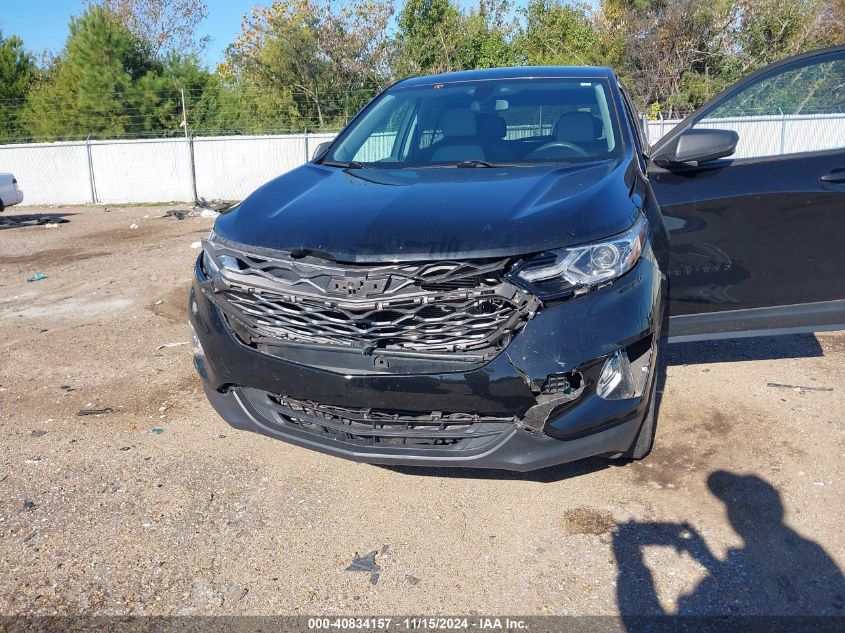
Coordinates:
<point>483,124</point>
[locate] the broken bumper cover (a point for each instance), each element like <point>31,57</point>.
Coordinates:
<point>513,449</point>
<point>384,417</point>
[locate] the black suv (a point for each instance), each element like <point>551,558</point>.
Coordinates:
<point>478,269</point>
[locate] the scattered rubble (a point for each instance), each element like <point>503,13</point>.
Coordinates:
<point>366,563</point>
<point>777,385</point>
<point>165,345</point>
<point>84,412</point>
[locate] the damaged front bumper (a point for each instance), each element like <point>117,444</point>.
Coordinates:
<point>531,406</point>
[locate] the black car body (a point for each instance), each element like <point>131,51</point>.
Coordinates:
<point>492,290</point>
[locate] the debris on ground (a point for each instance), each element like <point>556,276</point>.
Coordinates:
<point>777,385</point>
<point>179,344</point>
<point>38,433</point>
<point>175,213</point>
<point>133,226</point>
<point>52,220</point>
<point>412,580</point>
<point>37,276</point>
<point>84,412</point>
<point>366,563</point>
<point>28,505</point>
<point>213,205</point>
<point>32,220</point>
<point>196,244</point>
<point>158,430</point>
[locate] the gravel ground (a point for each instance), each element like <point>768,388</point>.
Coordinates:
<point>158,507</point>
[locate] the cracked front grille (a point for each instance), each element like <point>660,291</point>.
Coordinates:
<point>379,428</point>
<point>451,306</point>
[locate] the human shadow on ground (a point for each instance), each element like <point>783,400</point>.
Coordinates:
<point>776,572</point>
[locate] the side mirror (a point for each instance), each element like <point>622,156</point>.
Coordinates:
<point>321,149</point>
<point>698,146</point>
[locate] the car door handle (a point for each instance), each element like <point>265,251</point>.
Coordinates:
<point>836,176</point>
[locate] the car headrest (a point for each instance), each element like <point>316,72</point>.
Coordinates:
<point>576,127</point>
<point>458,123</point>
<point>491,126</point>
<point>450,153</point>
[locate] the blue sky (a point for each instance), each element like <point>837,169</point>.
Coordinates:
<point>42,24</point>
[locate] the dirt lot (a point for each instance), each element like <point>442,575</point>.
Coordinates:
<point>160,508</point>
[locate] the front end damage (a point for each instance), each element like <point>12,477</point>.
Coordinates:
<point>441,363</point>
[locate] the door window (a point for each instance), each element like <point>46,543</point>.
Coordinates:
<point>793,109</point>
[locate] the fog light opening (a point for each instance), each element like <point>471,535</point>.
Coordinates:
<point>623,378</point>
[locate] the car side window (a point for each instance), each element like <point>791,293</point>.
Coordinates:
<point>793,109</point>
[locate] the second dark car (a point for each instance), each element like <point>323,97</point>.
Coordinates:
<point>478,270</point>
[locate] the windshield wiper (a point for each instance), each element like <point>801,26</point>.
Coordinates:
<point>478,163</point>
<point>352,164</point>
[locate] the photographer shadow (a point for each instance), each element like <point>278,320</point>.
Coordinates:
<point>776,572</point>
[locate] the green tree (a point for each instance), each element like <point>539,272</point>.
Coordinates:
<point>300,64</point>
<point>559,33</point>
<point>435,36</point>
<point>92,88</point>
<point>167,26</point>
<point>17,72</point>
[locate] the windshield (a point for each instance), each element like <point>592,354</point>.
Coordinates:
<point>483,123</point>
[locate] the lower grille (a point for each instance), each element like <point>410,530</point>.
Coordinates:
<point>436,307</point>
<point>379,428</point>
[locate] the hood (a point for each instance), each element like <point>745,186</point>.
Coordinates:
<point>391,215</point>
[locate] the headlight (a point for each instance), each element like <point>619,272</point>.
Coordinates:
<point>212,270</point>
<point>582,267</point>
<point>213,262</point>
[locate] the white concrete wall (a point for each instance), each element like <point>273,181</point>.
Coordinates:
<point>230,167</point>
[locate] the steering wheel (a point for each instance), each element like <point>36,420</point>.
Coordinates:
<point>577,150</point>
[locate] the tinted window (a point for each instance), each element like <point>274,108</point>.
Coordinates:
<point>796,108</point>
<point>516,121</point>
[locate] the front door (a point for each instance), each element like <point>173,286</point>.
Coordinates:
<point>757,240</point>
